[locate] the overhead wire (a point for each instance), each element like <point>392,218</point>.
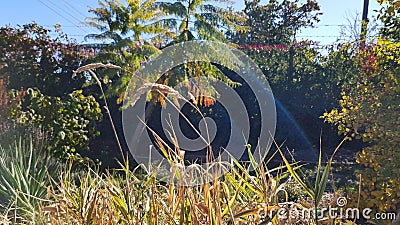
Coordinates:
<point>65,11</point>
<point>56,9</point>
<point>84,24</point>
<point>70,14</point>
<point>61,15</point>
<point>73,8</point>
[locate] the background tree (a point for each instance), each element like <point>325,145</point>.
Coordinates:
<point>275,22</point>
<point>139,28</point>
<point>203,19</point>
<point>31,58</point>
<point>125,25</point>
<point>131,20</point>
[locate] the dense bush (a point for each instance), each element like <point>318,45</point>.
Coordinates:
<point>70,122</point>
<point>369,109</point>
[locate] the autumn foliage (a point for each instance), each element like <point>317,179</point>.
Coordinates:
<point>370,110</point>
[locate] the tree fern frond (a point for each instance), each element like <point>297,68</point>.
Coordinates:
<point>207,30</point>
<point>176,8</point>
<point>104,36</point>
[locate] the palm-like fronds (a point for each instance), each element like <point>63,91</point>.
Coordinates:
<point>202,17</point>
<point>26,173</point>
<point>116,20</point>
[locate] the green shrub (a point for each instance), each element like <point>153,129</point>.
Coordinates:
<point>70,121</point>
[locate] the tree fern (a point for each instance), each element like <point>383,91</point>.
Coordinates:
<point>139,28</point>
